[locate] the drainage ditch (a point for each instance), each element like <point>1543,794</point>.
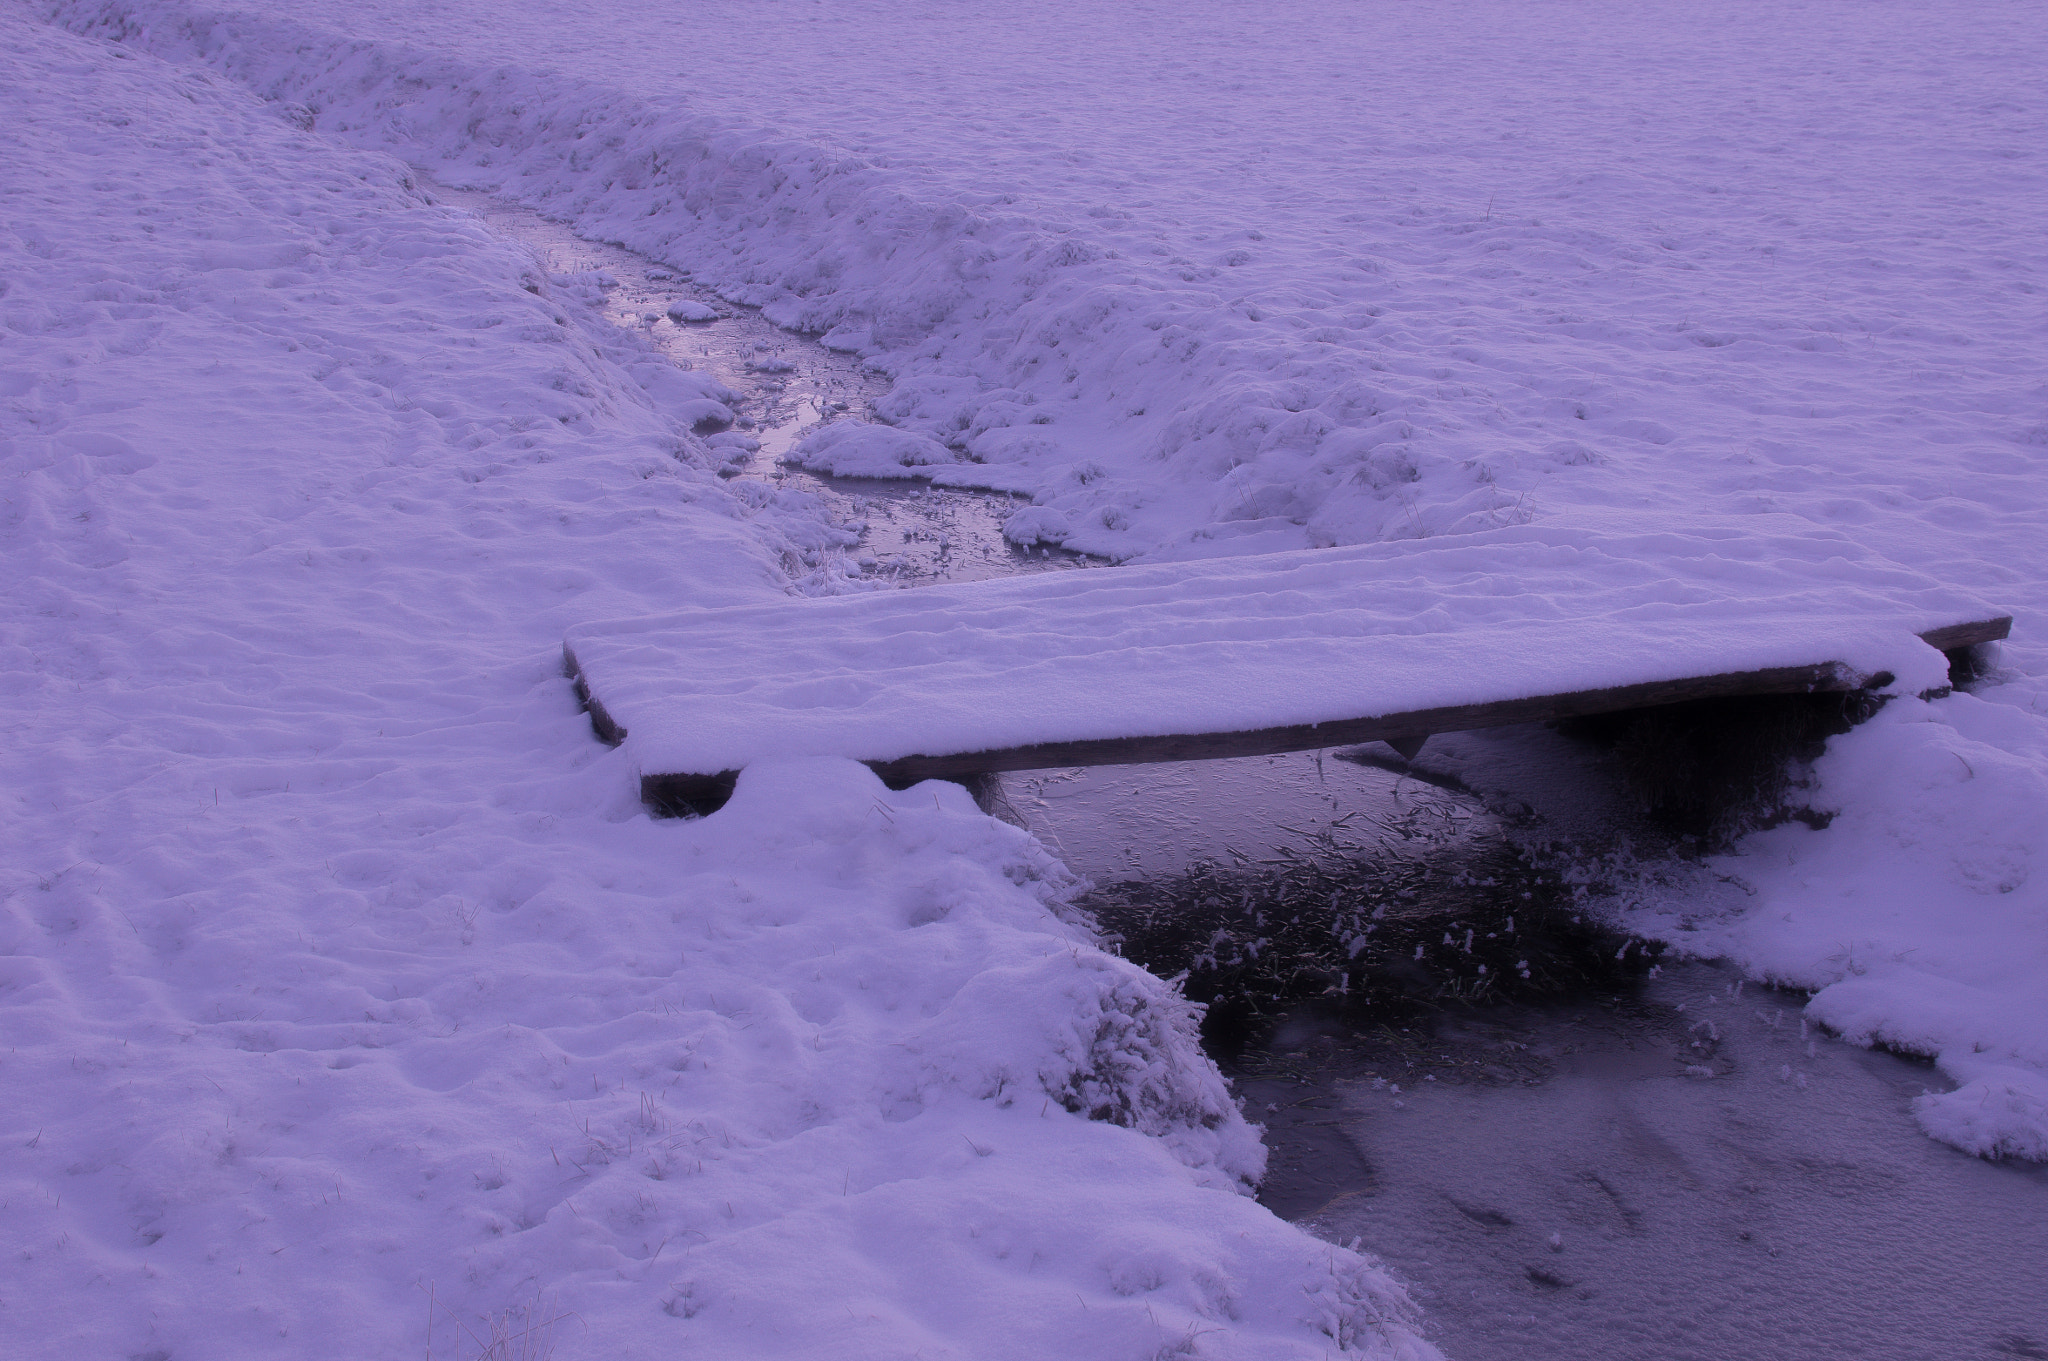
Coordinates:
<point>1571,1142</point>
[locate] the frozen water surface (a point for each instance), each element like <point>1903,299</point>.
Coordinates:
<point>1122,822</point>
<point>1686,1169</point>
<point>1689,1172</point>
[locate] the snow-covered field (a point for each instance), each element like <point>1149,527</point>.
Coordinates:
<point>344,975</point>
<point>341,978</point>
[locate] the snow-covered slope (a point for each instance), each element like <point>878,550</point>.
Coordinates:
<point>1312,272</point>
<point>1211,279</point>
<point>344,983</point>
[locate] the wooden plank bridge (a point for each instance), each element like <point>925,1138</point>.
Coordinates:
<point>1254,656</point>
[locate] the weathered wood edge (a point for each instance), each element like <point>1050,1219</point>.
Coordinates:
<point>1788,680</point>
<point>601,721</point>
<point>683,790</point>
<point>1968,635</point>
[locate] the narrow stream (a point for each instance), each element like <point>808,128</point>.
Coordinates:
<point>785,385</point>
<point>1676,1172</point>
<point>1571,1152</point>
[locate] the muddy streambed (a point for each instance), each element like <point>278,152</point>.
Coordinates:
<point>1569,1146</point>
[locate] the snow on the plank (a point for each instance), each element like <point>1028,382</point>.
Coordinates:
<point>1251,643</point>
<point>340,968</point>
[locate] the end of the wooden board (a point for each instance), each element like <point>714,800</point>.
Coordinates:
<point>601,722</point>
<point>1953,636</point>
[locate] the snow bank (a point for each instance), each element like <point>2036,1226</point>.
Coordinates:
<point>1917,916</point>
<point>857,449</point>
<point>348,989</point>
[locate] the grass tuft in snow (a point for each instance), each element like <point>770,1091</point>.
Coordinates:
<point>521,1332</point>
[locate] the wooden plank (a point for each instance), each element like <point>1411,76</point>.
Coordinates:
<point>1310,736</point>
<point>1204,651</point>
<point>1968,635</point>
<point>676,791</point>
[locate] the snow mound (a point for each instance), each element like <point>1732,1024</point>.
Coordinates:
<point>1999,1111</point>
<point>1114,1046</point>
<point>1919,917</point>
<point>858,449</point>
<point>1037,524</point>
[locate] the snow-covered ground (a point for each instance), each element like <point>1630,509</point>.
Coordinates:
<point>340,966</point>
<point>346,984</point>
<point>1383,269</point>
